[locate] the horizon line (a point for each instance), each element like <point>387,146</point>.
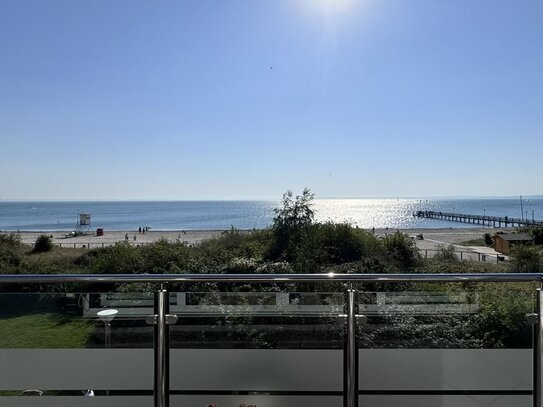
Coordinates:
<point>535,196</point>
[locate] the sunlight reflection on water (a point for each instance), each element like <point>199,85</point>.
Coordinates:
<point>367,213</point>
<point>209,215</point>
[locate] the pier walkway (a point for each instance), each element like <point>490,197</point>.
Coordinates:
<point>494,221</point>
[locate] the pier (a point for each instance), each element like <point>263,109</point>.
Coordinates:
<point>494,221</point>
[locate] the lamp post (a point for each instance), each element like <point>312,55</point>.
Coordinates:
<point>106,316</point>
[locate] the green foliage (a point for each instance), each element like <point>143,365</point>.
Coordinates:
<point>164,257</point>
<point>327,244</point>
<point>235,243</point>
<point>60,260</point>
<point>402,249</point>
<point>537,234</point>
<point>436,266</point>
<point>501,320</point>
<point>446,254</point>
<point>526,259</point>
<point>43,244</point>
<point>11,251</point>
<point>341,243</point>
<point>308,246</point>
<point>122,258</point>
<point>473,242</point>
<point>290,224</point>
<point>296,211</point>
<point>535,231</point>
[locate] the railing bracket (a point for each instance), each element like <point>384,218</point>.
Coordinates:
<point>153,319</point>
<point>531,319</point>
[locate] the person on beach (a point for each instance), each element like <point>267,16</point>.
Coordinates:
<point>139,229</point>
<point>126,237</point>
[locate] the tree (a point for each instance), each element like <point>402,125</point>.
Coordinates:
<point>296,212</point>
<point>291,223</point>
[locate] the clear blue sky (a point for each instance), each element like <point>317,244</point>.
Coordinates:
<point>230,99</point>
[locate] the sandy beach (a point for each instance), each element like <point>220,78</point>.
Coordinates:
<point>111,237</point>
<point>432,237</point>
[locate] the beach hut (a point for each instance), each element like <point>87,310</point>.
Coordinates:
<point>504,242</point>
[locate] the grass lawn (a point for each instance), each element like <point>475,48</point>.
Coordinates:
<point>44,330</point>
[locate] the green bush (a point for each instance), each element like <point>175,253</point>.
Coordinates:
<point>235,243</point>
<point>537,234</point>
<point>11,251</point>
<point>122,258</point>
<point>402,250</point>
<point>43,244</point>
<point>501,320</point>
<point>165,257</point>
<point>527,259</point>
<point>446,254</point>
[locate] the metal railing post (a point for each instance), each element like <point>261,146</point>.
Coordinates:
<point>350,394</point>
<point>162,350</point>
<point>538,349</point>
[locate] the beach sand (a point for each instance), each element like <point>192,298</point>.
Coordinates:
<point>442,236</point>
<point>111,237</point>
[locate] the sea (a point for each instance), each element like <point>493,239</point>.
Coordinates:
<point>221,215</point>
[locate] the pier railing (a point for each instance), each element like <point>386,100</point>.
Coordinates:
<point>336,361</point>
<point>495,221</point>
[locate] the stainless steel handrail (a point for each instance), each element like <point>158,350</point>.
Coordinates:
<point>268,278</point>
<point>161,384</point>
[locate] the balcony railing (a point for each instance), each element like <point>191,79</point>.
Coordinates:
<point>271,340</point>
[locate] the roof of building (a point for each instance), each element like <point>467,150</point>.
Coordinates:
<point>515,237</point>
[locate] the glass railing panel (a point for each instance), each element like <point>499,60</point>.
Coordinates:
<point>441,345</point>
<point>63,348</point>
<point>263,348</point>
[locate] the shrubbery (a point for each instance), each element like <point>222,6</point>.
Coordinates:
<point>526,259</point>
<point>43,244</point>
<point>402,249</point>
<point>11,250</point>
<point>122,258</point>
<point>446,254</point>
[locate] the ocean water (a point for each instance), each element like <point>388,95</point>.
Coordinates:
<point>216,215</point>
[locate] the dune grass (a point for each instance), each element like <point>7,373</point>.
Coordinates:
<point>473,242</point>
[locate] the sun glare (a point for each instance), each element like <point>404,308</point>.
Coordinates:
<point>334,6</point>
<point>328,8</point>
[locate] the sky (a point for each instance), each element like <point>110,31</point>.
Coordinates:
<point>245,99</point>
